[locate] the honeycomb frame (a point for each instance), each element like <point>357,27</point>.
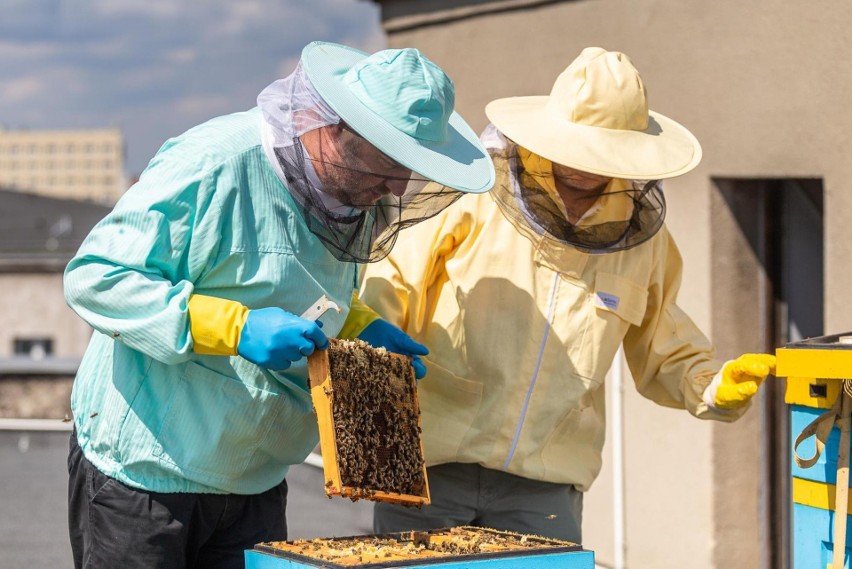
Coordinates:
<point>418,548</point>
<point>322,388</point>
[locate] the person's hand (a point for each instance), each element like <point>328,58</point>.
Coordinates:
<point>273,338</point>
<point>382,334</point>
<point>738,381</point>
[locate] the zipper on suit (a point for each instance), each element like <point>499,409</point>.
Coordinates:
<point>547,326</point>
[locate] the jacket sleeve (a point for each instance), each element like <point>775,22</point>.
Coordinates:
<point>133,275</point>
<point>398,287</point>
<point>671,360</point>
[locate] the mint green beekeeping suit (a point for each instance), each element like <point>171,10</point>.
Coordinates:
<point>208,216</point>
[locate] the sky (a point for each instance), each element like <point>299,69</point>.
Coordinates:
<point>154,68</point>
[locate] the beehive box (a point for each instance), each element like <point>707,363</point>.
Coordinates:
<point>366,404</point>
<point>449,547</point>
<point>815,370</point>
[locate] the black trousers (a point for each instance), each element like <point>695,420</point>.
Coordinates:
<point>115,526</point>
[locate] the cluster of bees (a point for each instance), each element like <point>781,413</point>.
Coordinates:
<point>431,544</point>
<point>376,420</point>
<point>470,541</point>
<point>350,551</point>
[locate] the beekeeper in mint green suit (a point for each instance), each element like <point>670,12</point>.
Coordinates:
<point>191,401</point>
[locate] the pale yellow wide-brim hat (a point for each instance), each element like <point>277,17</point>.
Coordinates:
<point>596,119</point>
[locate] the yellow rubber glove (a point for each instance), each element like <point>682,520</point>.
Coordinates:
<point>360,316</point>
<point>215,324</point>
<point>738,381</point>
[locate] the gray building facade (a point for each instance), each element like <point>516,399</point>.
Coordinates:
<point>762,225</point>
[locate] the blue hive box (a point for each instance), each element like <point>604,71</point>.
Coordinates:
<point>815,370</point>
<point>542,553</point>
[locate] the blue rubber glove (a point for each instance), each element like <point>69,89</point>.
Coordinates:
<point>382,334</point>
<point>273,338</point>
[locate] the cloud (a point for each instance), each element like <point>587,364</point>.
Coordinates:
<point>202,107</point>
<point>20,89</point>
<point>21,52</point>
<point>154,66</point>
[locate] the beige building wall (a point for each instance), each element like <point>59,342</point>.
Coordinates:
<point>74,164</point>
<point>765,87</point>
<point>32,306</point>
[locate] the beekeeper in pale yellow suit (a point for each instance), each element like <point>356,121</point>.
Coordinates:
<point>524,294</point>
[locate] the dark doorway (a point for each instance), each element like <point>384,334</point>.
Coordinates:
<point>775,250</point>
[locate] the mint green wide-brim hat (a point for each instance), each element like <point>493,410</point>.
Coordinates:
<point>402,103</point>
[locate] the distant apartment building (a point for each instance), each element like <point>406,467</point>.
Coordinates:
<point>38,236</point>
<point>65,164</point>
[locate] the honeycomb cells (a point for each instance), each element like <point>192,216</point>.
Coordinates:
<point>376,419</point>
<point>421,547</point>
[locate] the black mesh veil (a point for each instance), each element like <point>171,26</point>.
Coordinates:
<point>353,197</point>
<point>628,213</point>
